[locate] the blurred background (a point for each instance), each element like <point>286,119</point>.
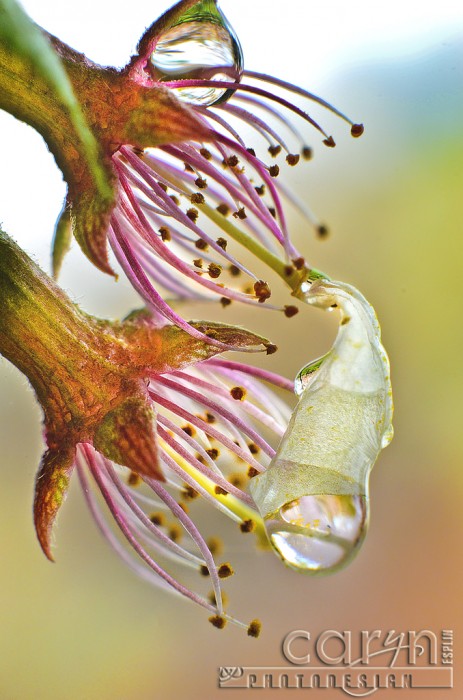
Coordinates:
<point>85,628</point>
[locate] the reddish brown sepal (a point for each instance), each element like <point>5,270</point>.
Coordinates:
<point>50,491</point>
<point>127,436</point>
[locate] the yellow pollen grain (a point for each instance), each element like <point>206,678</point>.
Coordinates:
<point>175,533</point>
<point>215,545</point>
<point>157,519</point>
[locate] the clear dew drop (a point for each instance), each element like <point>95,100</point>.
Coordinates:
<point>318,534</point>
<point>387,437</point>
<point>306,374</point>
<point>199,49</point>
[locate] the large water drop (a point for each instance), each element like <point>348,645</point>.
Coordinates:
<point>313,497</point>
<point>205,47</point>
<point>318,533</point>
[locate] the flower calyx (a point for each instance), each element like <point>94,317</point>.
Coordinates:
<point>90,375</point>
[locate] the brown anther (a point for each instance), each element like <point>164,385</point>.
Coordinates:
<point>165,233</point>
<point>330,142</point>
<point>133,479</point>
<point>163,186</point>
<point>289,269</point>
<point>197,198</point>
<point>175,199</point>
<point>201,244</point>
<point>299,263</point>
<point>188,168</point>
<point>138,151</point>
<point>345,320</point>
<point>357,130</point>
<point>262,290</point>
<point>290,311</point>
<point>218,621</point>
<point>225,301</point>
<point>214,270</point>
<point>222,242</point>
<point>212,600</point>
<point>225,570</point>
<point>253,448</point>
<point>334,306</point>
<point>252,472</point>
<point>223,209</point>
<point>255,628</point>
<point>213,452</point>
<point>200,458</point>
<point>157,518</point>
<point>240,214</point>
<point>272,211</point>
<point>232,161</point>
<point>198,263</point>
<point>192,214</point>
<point>260,190</point>
<point>183,507</point>
<point>271,349</point>
<point>189,492</point>
<point>251,151</point>
<point>189,430</point>
<point>274,170</point>
<point>203,570</point>
<point>247,526</point>
<point>220,491</point>
<point>205,153</point>
<point>322,231</point>
<point>234,271</point>
<point>307,153</point>
<point>274,150</point>
<point>175,533</point>
<point>201,183</point>
<point>210,418</point>
<point>238,393</point>
<point>215,545</point>
<point>293,158</point>
<point>237,480</point>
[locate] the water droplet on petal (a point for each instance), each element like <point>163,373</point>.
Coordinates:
<point>387,437</point>
<point>205,47</point>
<point>318,533</point>
<point>306,374</point>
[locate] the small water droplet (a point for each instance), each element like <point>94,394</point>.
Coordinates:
<point>306,374</point>
<point>387,437</point>
<point>318,533</point>
<point>205,47</point>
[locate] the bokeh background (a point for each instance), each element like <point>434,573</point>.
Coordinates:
<point>86,628</point>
